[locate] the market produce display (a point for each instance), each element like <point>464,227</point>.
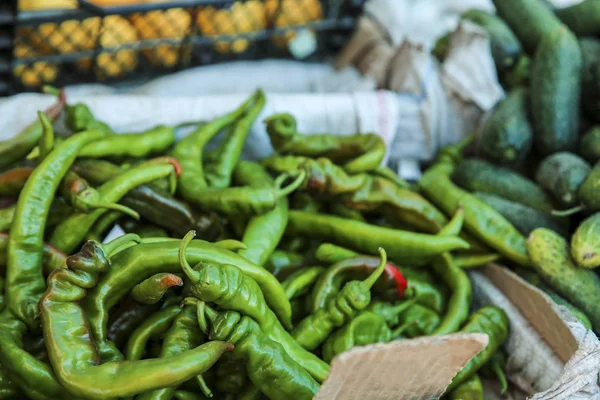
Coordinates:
<point>230,275</point>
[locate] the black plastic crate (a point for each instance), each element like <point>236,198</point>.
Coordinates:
<point>94,44</point>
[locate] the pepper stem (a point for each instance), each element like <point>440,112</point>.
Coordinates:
<point>115,245</point>
<point>499,372</point>
<point>281,125</point>
<point>282,192</point>
<point>49,89</point>
<point>570,211</point>
<point>204,387</point>
<point>405,305</point>
<point>370,281</point>
<point>117,207</point>
<point>402,328</point>
<point>185,266</point>
<point>47,141</point>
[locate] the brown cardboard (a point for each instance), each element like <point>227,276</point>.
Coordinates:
<point>404,369</point>
<point>537,309</point>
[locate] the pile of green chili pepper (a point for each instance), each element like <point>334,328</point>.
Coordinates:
<point>227,278</point>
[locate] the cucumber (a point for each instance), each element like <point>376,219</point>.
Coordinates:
<point>524,218</point>
<point>477,175</point>
<point>533,278</point>
<point>589,146</point>
<point>589,191</point>
<point>582,18</point>
<point>561,174</point>
<point>529,19</point>
<point>590,77</point>
<point>555,91</point>
<point>507,136</point>
<point>519,75</point>
<point>585,243</point>
<point>549,253</point>
<point>504,44</point>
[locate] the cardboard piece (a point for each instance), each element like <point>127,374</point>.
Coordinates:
<point>537,308</point>
<point>404,369</point>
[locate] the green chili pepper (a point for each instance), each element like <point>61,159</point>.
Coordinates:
<point>189,151</point>
<point>365,328</point>
<point>127,317</point>
<point>428,294</point>
<point>230,375</point>
<point>405,247</point>
<point>266,360</point>
<point>356,153</point>
<point>79,118</point>
<point>183,335</point>
<point>19,146</point>
<point>137,145</point>
<point>387,173</point>
<point>71,232</point>
<point>73,354</point>
<point>281,260</point>
<point>457,280</point>
<point>330,253</point>
<point>301,282</point>
<point>152,328</point>
<point>480,219</point>
<point>8,390</point>
<point>146,259</point>
<point>218,174</point>
<point>1,296</point>
<point>151,290</point>
<point>470,389</point>
<point>263,232</point>
<point>25,282</point>
<point>355,296</point>
<point>330,283</point>
<point>492,321</point>
<point>52,258</point>
<point>184,395</point>
<point>230,289</point>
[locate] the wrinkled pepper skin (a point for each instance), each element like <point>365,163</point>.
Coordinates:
<point>266,360</point>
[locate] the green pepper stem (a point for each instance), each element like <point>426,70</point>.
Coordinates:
<point>402,328</point>
<point>117,207</point>
<point>231,245</point>
<point>115,244</point>
<point>499,372</point>
<point>370,281</point>
<point>282,124</point>
<point>47,141</point>
<point>282,192</point>
<point>49,89</point>
<point>570,211</point>
<point>204,387</point>
<point>185,266</point>
<point>397,309</point>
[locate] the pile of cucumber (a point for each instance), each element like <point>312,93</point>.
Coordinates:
<point>538,153</point>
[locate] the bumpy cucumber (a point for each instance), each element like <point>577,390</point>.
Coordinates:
<point>582,18</point>
<point>533,278</point>
<point>589,191</point>
<point>555,92</point>
<point>480,176</point>
<point>562,173</point>
<point>524,218</point>
<point>507,136</point>
<point>585,243</point>
<point>589,146</point>
<point>590,77</point>
<point>504,44</point>
<point>549,253</point>
<point>529,19</point>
